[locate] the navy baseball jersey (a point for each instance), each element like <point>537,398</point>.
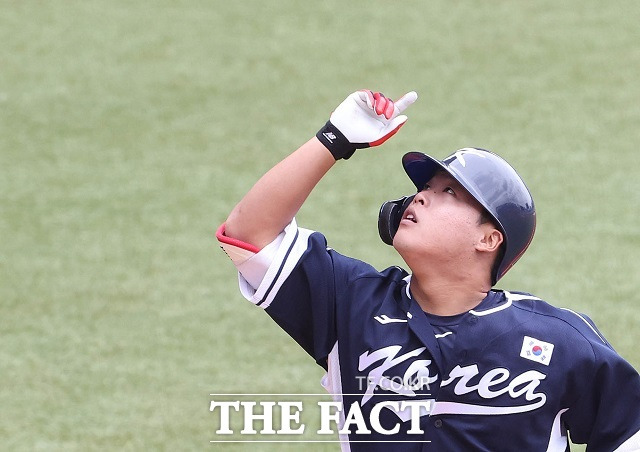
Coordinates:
<point>514,373</point>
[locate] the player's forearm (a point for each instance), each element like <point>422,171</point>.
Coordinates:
<point>274,200</point>
<point>364,119</point>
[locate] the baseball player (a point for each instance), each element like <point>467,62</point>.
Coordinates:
<point>495,370</point>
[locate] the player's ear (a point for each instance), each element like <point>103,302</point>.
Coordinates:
<point>490,239</point>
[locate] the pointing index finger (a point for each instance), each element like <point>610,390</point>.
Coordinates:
<point>405,101</point>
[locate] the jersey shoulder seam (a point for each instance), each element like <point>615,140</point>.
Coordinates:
<point>573,327</point>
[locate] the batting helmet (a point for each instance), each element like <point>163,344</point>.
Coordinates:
<point>491,181</point>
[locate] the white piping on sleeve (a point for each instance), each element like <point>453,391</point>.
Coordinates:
<point>585,321</point>
<point>255,267</point>
<point>292,246</point>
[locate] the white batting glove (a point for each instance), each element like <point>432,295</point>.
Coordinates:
<point>364,119</point>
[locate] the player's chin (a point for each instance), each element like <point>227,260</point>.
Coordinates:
<point>401,240</point>
<point>404,248</point>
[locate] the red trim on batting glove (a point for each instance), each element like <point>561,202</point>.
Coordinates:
<point>369,94</point>
<point>387,136</point>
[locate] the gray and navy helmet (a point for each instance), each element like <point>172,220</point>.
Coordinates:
<point>491,181</point>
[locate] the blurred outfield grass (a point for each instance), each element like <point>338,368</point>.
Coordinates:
<point>128,130</point>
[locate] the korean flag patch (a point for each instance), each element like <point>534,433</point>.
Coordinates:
<point>536,350</point>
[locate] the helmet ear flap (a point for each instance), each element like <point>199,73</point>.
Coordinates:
<point>389,217</point>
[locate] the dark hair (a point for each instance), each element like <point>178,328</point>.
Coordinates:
<point>486,217</point>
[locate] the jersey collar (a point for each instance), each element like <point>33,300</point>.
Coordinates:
<point>487,306</point>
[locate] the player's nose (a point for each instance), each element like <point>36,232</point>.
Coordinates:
<point>421,198</point>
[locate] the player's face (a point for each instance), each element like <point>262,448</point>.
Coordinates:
<point>441,224</point>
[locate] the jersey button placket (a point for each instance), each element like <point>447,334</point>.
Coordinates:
<point>437,423</point>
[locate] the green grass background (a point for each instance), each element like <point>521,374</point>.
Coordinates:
<point>128,130</point>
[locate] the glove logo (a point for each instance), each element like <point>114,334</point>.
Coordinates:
<point>329,136</point>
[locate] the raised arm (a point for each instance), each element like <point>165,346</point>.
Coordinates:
<point>278,195</point>
<point>363,119</point>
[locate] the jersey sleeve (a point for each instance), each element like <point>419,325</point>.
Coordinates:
<point>298,289</point>
<point>606,415</point>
